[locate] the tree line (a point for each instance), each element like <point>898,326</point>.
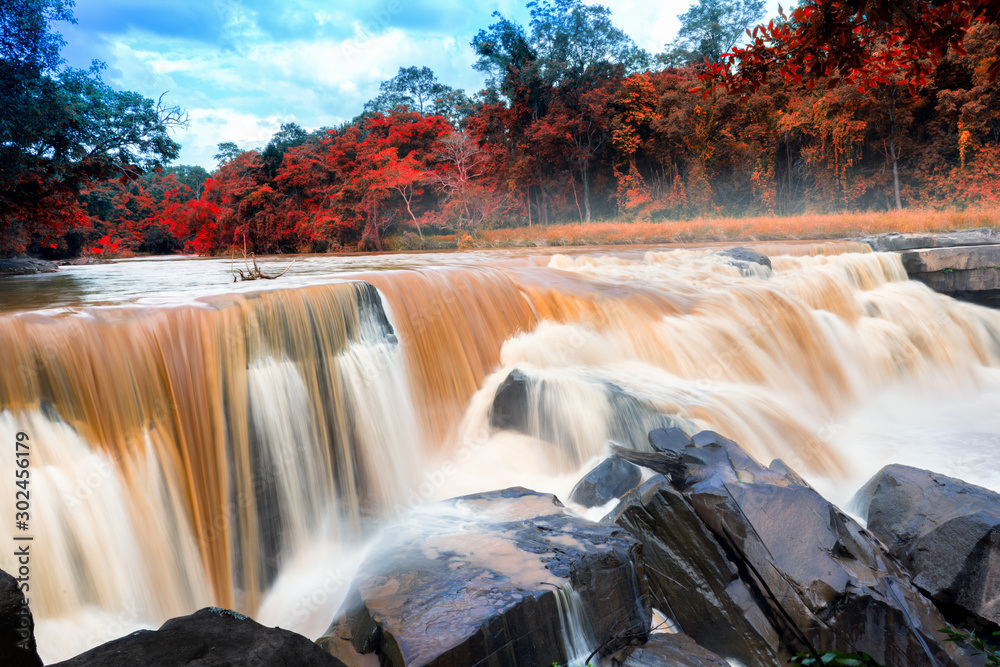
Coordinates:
<point>575,123</point>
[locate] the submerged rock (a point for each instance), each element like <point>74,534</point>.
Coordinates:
<point>500,578</point>
<point>17,627</point>
<point>944,531</point>
<point>510,404</point>
<point>742,257</point>
<point>612,478</point>
<point>210,637</point>
<point>540,408</point>
<point>691,578</point>
<point>666,650</point>
<point>823,580</point>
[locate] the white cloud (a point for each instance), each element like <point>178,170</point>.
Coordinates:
<point>242,88</point>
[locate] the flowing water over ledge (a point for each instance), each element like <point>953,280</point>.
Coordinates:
<point>205,443</point>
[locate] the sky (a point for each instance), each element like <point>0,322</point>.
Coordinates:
<point>241,68</point>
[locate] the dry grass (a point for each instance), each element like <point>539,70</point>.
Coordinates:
<point>804,227</point>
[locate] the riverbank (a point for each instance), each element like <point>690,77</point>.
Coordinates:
<point>736,230</point>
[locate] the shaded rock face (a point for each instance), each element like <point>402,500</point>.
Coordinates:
<point>692,580</point>
<point>17,627</point>
<point>534,406</point>
<point>944,531</point>
<point>612,478</point>
<point>669,440</point>
<point>665,650</point>
<point>494,579</point>
<point>822,579</point>
<point>20,266</point>
<point>208,638</point>
<point>741,257</point>
<point>767,547</point>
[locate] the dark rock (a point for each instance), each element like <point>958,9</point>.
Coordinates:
<point>489,579</point>
<point>743,256</point>
<point>510,404</point>
<point>692,580</point>
<point>822,579</point>
<point>944,531</point>
<point>533,406</point>
<point>208,638</point>
<point>20,266</point>
<point>17,627</point>
<point>665,650</point>
<point>668,464</point>
<point>612,478</point>
<point>669,440</point>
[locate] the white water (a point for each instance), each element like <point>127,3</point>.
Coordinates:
<point>837,365</point>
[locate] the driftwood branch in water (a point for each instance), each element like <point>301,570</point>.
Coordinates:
<point>251,274</point>
<point>668,464</point>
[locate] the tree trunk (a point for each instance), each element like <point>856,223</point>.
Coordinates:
<point>892,150</point>
<point>577,200</point>
<point>585,176</point>
<point>895,173</point>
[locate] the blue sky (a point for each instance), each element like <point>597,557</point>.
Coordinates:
<point>241,68</point>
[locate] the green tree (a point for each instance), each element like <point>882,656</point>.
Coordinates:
<point>571,38</point>
<point>709,29</point>
<point>289,136</point>
<point>227,152</point>
<point>568,40</point>
<point>62,129</point>
<point>417,89</point>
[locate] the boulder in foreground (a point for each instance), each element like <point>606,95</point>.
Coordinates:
<point>944,531</point>
<point>208,638</point>
<point>818,579</point>
<point>17,628</point>
<point>666,650</point>
<point>611,478</point>
<point>692,580</point>
<point>500,578</point>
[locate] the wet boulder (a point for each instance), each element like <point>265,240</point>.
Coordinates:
<point>672,650</point>
<point>669,440</point>
<point>612,478</point>
<point>210,637</point>
<point>692,580</point>
<point>499,578</point>
<point>741,258</point>
<point>510,404</point>
<point>944,531</point>
<point>540,407</point>
<point>825,582</point>
<point>17,628</point>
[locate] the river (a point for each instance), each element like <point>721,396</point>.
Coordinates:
<point>196,441</point>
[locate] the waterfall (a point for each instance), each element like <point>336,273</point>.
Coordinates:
<point>574,626</point>
<point>229,451</point>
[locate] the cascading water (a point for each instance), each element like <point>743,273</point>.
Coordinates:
<point>574,627</point>
<point>228,451</point>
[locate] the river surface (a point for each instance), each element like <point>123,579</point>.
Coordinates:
<point>197,441</point>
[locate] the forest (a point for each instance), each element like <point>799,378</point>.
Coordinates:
<point>575,124</point>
